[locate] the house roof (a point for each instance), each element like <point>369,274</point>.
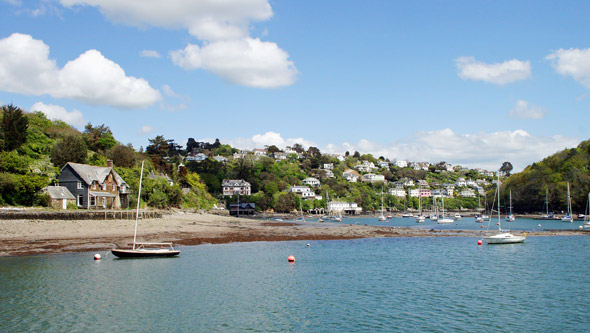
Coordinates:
<point>59,192</point>
<point>90,173</point>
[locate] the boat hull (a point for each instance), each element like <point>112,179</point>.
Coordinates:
<point>144,253</point>
<point>504,238</point>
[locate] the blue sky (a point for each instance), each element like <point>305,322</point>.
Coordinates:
<point>467,82</point>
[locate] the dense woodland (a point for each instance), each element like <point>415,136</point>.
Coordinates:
<point>33,149</point>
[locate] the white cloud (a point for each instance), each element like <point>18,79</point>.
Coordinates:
<point>149,54</point>
<point>498,73</point>
<point>204,19</point>
<point>25,68</point>
<point>573,62</point>
<point>248,62</point>
<point>479,150</point>
<point>485,150</point>
<point>266,139</point>
<point>56,112</point>
<point>525,110</point>
<point>227,50</point>
<point>145,130</point>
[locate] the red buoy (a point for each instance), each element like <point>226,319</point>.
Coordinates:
<point>291,258</point>
<point>479,242</point>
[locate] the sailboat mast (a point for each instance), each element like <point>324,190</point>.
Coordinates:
<point>498,188</point>
<point>138,202</point>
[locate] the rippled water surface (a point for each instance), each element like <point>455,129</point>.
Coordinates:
<point>390,284</point>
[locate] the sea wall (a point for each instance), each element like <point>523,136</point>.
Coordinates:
<point>78,215</point>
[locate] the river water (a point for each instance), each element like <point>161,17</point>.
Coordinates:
<point>389,284</point>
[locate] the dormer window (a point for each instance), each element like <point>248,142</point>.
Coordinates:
<point>80,186</point>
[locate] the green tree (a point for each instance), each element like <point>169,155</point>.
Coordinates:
<point>506,167</point>
<point>13,130</point>
<point>98,138</point>
<point>123,156</point>
<point>71,149</point>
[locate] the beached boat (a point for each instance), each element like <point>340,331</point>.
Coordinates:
<point>503,236</point>
<point>510,217</point>
<point>143,249</point>
<point>568,217</point>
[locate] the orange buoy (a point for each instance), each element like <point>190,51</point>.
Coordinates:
<point>479,242</point>
<point>481,226</point>
<point>291,258</point>
<point>97,256</point>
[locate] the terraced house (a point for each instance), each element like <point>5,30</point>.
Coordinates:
<point>95,187</point>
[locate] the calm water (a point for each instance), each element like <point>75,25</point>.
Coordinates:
<point>466,223</point>
<point>395,284</point>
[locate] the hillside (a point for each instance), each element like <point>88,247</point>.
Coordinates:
<point>191,177</point>
<point>551,175</point>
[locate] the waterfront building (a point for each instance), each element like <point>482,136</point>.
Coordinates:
<point>233,186</point>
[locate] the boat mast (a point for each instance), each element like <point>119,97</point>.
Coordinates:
<point>498,189</point>
<point>569,201</point>
<point>138,201</point>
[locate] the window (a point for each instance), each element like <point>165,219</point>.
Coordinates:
<point>80,186</point>
<point>114,187</point>
<point>104,187</point>
<point>80,200</point>
<point>92,200</point>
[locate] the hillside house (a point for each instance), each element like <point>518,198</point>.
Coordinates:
<point>95,187</point>
<point>59,196</point>
<point>303,191</point>
<point>311,181</point>
<point>233,187</point>
<point>372,178</point>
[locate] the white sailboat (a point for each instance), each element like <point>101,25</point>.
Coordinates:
<point>502,237</point>
<point>568,217</point>
<point>510,217</point>
<point>587,216</point>
<point>434,213</point>
<point>547,215</point>
<point>143,249</point>
<point>420,218</point>
<point>382,216</point>
<point>443,219</point>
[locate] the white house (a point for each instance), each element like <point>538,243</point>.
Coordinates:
<point>303,191</point>
<point>342,206</point>
<point>197,158</point>
<point>220,159</point>
<point>311,181</point>
<point>280,156</point>
<point>467,193</point>
<point>328,166</point>
<point>414,192</point>
<point>461,182</point>
<point>401,164</point>
<point>350,175</point>
<point>383,164</point>
<point>397,192</point>
<point>259,152</point>
<point>232,186</point>
<point>372,178</point>
<point>366,166</point>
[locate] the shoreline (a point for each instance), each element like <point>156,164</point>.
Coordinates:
<point>31,237</point>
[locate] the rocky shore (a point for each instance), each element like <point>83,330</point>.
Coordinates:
<point>29,237</point>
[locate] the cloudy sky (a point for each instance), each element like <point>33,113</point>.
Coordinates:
<point>467,82</point>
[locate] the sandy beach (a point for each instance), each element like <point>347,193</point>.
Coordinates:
<point>29,237</point>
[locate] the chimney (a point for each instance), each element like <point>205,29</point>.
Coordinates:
<point>109,163</point>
